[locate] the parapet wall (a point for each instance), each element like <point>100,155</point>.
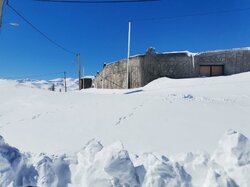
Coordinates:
<point>148,67</point>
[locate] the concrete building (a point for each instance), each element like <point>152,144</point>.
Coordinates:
<point>86,82</point>
<point>150,66</point>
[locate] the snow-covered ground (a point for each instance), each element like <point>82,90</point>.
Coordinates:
<point>79,134</point>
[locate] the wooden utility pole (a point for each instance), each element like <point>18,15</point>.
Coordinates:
<point>79,69</point>
<point>65,85</point>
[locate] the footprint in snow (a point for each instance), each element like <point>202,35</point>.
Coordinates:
<point>188,96</point>
<point>36,116</point>
<point>119,121</point>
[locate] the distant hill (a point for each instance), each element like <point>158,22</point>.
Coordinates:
<point>72,84</point>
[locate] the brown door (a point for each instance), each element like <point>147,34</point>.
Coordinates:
<point>217,70</point>
<point>205,71</point>
<point>210,70</point>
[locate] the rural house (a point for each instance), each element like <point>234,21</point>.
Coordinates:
<point>184,64</point>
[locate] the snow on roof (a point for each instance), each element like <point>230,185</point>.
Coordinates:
<point>179,52</point>
<point>190,54</point>
<point>89,77</point>
<point>221,50</point>
<point>193,54</point>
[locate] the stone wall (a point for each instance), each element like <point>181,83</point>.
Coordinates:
<point>172,65</point>
<point>148,67</point>
<point>114,75</point>
<point>234,61</point>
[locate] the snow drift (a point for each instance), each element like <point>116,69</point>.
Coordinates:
<point>154,123</point>
<point>112,166</point>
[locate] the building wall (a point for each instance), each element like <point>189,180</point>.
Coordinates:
<point>173,65</point>
<point>234,61</point>
<point>114,76</point>
<point>148,67</point>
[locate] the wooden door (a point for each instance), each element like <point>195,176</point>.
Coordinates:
<point>217,70</point>
<point>205,71</point>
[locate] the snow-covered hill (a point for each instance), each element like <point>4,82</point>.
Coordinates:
<point>72,84</point>
<point>77,130</point>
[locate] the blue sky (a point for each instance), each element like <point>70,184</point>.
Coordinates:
<point>99,32</point>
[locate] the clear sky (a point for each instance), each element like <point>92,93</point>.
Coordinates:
<point>99,32</point>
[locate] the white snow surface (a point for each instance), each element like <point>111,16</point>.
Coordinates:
<point>168,133</point>
<point>111,166</point>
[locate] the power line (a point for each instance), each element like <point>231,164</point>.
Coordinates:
<point>40,32</point>
<point>97,1</point>
<point>193,15</point>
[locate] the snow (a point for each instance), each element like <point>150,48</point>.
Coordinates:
<point>72,84</point>
<point>190,54</point>
<point>223,50</point>
<point>89,77</point>
<point>168,133</point>
<point>108,166</point>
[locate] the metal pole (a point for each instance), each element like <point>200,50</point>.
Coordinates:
<point>1,12</point>
<point>79,69</point>
<point>65,85</point>
<point>128,63</point>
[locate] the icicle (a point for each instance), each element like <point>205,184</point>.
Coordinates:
<point>192,55</point>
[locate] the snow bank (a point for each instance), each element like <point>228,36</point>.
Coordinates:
<point>99,166</point>
<point>22,169</point>
<point>233,154</point>
<point>111,166</point>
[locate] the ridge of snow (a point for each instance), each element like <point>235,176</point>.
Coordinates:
<point>108,166</point>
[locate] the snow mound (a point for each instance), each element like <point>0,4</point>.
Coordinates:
<point>99,166</point>
<point>111,166</point>
<point>17,169</point>
<point>233,154</point>
<point>233,150</point>
<point>218,178</point>
<point>197,165</point>
<point>159,172</point>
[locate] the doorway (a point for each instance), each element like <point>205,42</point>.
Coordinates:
<point>211,70</point>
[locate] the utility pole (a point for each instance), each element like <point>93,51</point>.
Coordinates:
<point>79,69</point>
<point>128,63</point>
<point>1,12</point>
<point>65,85</point>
